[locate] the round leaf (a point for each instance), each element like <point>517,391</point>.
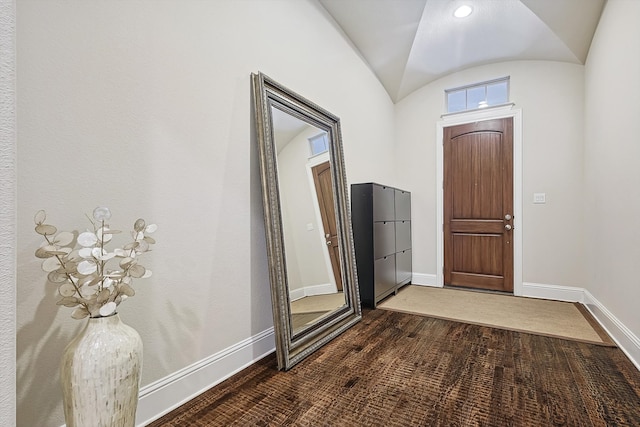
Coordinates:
<point>39,217</point>
<point>57,277</point>
<point>46,229</point>
<point>108,309</point>
<point>68,301</point>
<point>63,238</point>
<point>85,252</point>
<point>127,290</point>
<point>104,235</point>
<point>51,264</point>
<point>149,240</point>
<point>130,246</point>
<point>137,271</point>
<point>87,267</point>
<point>101,213</point>
<point>87,239</point>
<point>151,228</point>
<point>143,246</point>
<point>67,290</point>
<point>126,262</point>
<point>80,313</point>
<point>103,295</point>
<point>120,252</point>
<point>70,268</point>
<point>139,225</point>
<point>92,281</point>
<point>45,251</point>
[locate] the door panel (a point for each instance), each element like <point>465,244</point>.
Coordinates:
<point>324,192</point>
<point>478,205</point>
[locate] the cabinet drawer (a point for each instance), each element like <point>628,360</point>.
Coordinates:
<point>403,204</point>
<point>403,267</point>
<point>383,203</point>
<point>403,235</point>
<point>385,275</point>
<point>384,239</point>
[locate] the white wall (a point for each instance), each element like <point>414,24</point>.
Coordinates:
<point>612,152</point>
<point>550,95</point>
<point>145,107</point>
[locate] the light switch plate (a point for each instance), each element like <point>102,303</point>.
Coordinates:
<point>540,198</point>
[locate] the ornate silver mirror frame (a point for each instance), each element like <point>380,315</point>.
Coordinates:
<point>295,342</point>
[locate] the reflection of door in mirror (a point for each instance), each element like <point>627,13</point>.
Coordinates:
<point>311,279</point>
<point>324,192</point>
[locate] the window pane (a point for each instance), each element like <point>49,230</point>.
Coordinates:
<point>318,144</point>
<point>479,95</point>
<point>456,101</point>
<point>497,93</point>
<point>475,96</point>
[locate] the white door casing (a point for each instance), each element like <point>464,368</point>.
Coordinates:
<point>469,117</point>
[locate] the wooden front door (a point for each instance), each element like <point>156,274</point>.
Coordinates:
<point>324,190</point>
<point>478,205</point>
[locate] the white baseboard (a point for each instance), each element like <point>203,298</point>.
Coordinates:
<point>296,294</point>
<point>162,396</point>
<point>554,292</point>
<point>628,342</point>
<point>307,291</point>
<point>424,279</point>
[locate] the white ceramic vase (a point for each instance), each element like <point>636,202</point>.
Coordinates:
<point>100,375</point>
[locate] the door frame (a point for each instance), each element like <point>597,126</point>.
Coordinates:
<point>470,117</point>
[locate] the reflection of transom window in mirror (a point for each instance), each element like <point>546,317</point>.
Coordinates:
<point>319,144</point>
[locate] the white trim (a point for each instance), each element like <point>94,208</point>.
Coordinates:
<point>307,291</point>
<point>8,212</point>
<point>628,342</point>
<point>422,279</point>
<point>554,292</point>
<point>474,116</point>
<point>166,394</point>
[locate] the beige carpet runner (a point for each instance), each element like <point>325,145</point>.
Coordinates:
<point>545,317</point>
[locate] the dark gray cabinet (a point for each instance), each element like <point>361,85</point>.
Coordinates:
<point>381,220</point>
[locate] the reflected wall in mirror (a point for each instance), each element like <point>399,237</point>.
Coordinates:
<point>309,239</point>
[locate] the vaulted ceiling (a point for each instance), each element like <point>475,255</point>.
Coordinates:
<point>409,43</point>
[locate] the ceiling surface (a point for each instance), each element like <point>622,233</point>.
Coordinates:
<point>409,43</point>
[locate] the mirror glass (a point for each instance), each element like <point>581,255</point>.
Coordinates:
<point>309,238</point>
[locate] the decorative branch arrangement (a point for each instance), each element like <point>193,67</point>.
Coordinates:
<point>82,266</point>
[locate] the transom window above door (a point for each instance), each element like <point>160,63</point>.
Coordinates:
<point>478,95</point>
<point>319,144</point>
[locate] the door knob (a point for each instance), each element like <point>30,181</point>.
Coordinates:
<point>508,227</point>
<point>507,217</point>
<point>328,242</point>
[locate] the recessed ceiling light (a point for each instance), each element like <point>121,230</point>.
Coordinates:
<point>463,11</point>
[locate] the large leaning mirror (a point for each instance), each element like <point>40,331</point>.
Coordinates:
<point>308,231</point>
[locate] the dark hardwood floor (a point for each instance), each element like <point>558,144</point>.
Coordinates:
<point>395,369</point>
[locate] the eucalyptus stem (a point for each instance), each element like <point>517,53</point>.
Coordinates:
<point>66,273</point>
